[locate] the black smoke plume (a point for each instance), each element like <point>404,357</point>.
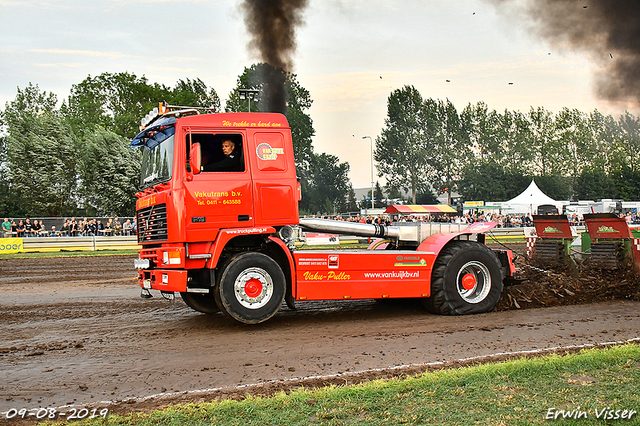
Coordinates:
<point>272,25</point>
<point>608,31</point>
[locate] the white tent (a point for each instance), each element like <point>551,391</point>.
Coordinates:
<point>529,200</point>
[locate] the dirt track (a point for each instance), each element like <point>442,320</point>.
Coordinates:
<point>75,331</point>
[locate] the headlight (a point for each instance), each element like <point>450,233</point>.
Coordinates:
<point>141,263</point>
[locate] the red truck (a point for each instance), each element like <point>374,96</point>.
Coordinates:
<point>217,218</point>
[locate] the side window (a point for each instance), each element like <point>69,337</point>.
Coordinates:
<point>221,152</point>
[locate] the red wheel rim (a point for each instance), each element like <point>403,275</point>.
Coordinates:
<point>253,287</point>
<point>469,281</point>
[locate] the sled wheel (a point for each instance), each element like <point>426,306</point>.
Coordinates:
<point>251,288</point>
<point>201,302</point>
<point>466,279</point>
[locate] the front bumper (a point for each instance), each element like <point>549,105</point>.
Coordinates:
<point>163,279</point>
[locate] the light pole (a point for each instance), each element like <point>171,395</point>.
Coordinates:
<point>371,140</point>
<point>248,94</point>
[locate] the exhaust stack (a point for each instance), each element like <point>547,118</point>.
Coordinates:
<point>339,227</point>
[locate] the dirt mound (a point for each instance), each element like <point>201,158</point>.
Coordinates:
<point>553,285</point>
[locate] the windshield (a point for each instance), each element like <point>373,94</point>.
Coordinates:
<point>157,163</point>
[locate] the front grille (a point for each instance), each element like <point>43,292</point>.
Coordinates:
<point>152,223</point>
<point>150,254</point>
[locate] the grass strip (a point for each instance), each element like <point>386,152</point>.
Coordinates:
<point>596,382</point>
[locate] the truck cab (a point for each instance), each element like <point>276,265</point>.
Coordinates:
<point>181,209</point>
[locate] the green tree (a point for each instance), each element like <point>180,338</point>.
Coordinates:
<point>352,203</point>
<point>495,138</point>
<point>40,156</point>
<point>557,187</point>
<point>426,197</point>
<point>194,93</point>
<point>449,144</point>
<point>594,185</point>
<point>627,183</point>
<point>8,205</point>
<point>109,174</point>
<point>328,185</point>
<point>28,104</point>
<point>515,132</point>
<point>489,181</point>
<point>401,150</point>
<point>378,196</point>
<point>42,165</point>
<point>573,136</point>
<point>118,101</point>
<point>485,134</point>
<point>5,207</point>
<point>549,154</point>
<point>494,156</point>
<point>50,156</point>
<point>393,193</point>
<point>613,152</point>
<point>113,101</point>
<point>630,141</point>
<point>595,150</point>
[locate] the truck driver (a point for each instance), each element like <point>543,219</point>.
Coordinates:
<point>230,162</point>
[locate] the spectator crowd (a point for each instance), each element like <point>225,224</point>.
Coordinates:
<point>504,221</point>
<point>95,227</point>
<point>24,228</point>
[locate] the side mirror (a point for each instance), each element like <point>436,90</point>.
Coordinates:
<point>195,155</point>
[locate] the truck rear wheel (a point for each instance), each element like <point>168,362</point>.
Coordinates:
<point>466,279</point>
<point>251,288</point>
<point>201,302</point>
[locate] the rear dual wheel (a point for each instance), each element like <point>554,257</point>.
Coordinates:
<point>251,288</point>
<point>466,279</point>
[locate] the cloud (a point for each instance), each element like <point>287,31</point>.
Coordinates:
<point>91,53</point>
<point>113,55</point>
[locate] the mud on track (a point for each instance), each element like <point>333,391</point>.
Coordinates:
<point>75,331</point>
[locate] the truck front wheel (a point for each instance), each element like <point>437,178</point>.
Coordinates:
<point>466,279</point>
<point>201,302</point>
<point>251,288</point>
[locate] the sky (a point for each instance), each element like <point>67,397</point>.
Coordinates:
<point>351,54</point>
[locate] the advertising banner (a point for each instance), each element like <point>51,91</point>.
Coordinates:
<point>10,245</point>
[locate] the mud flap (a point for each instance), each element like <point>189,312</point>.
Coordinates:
<point>290,300</point>
<point>507,259</point>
